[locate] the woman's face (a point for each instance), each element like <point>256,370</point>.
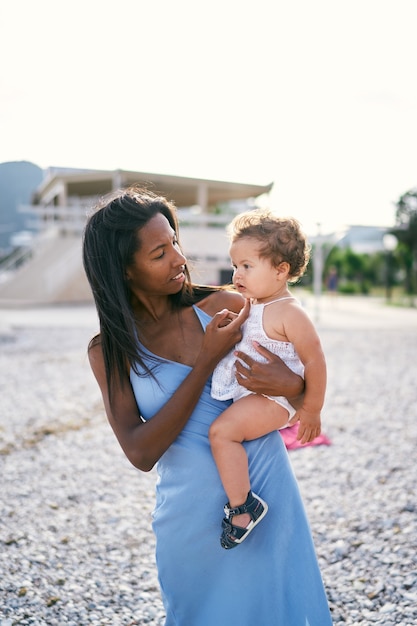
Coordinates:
<point>158,266</point>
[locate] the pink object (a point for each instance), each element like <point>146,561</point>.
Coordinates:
<point>289,436</point>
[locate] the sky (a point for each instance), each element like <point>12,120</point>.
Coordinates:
<point>319,98</point>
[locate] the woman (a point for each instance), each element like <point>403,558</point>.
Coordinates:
<point>160,339</point>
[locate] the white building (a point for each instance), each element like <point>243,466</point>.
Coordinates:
<point>61,203</point>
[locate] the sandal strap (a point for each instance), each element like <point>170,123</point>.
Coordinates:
<point>238,510</point>
<point>231,533</point>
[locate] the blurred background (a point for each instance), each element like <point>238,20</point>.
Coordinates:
<point>309,108</point>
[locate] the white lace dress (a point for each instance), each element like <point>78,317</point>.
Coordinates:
<point>224,385</point>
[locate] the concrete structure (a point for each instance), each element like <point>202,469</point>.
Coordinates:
<point>62,202</point>
<point>364,239</point>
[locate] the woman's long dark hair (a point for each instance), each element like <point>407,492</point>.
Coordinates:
<point>109,243</point>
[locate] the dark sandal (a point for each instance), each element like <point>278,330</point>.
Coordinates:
<point>233,535</point>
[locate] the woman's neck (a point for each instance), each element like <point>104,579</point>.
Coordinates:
<point>148,310</point>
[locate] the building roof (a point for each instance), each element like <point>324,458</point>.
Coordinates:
<point>184,191</point>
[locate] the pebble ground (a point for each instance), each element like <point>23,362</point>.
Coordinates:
<point>76,546</point>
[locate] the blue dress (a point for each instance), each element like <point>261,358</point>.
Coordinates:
<point>272,579</point>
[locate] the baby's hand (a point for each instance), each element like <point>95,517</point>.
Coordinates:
<point>310,425</point>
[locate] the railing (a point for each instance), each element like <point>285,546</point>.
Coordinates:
<point>72,218</point>
<point>23,254</point>
<point>11,263</point>
<point>65,219</point>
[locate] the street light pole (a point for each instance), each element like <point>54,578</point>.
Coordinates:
<point>318,271</point>
<point>390,242</point>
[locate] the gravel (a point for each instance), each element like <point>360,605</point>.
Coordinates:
<point>76,545</point>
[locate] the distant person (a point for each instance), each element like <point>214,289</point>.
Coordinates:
<point>160,338</point>
<point>332,282</point>
<point>266,251</point>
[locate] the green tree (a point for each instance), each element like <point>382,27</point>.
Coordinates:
<point>360,272</point>
<point>405,230</point>
<point>355,271</point>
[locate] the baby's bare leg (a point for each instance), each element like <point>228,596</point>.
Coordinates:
<point>246,419</point>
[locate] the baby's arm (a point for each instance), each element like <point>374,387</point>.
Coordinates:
<point>300,331</point>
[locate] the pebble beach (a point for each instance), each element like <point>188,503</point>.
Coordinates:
<point>76,544</point>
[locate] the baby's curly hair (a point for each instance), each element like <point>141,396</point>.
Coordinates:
<point>280,238</point>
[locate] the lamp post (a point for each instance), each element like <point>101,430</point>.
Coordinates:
<point>390,242</point>
<point>322,245</point>
<point>318,270</point>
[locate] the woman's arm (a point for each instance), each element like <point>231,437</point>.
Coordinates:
<point>145,442</point>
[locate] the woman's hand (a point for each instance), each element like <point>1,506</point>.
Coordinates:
<point>223,332</point>
<point>273,378</point>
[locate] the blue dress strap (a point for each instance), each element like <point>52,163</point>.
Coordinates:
<point>202,316</point>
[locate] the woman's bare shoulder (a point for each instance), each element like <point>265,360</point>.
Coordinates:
<point>222,299</point>
<point>94,343</point>
<point>95,352</point>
